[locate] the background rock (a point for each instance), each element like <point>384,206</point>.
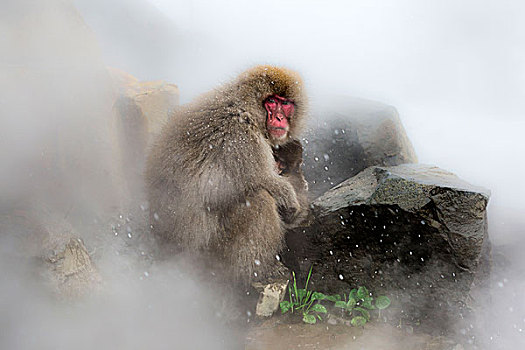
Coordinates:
<point>46,243</point>
<point>345,135</point>
<point>71,271</point>
<point>141,109</point>
<point>73,142</point>
<point>414,232</point>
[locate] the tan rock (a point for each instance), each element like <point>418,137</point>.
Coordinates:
<point>141,109</point>
<point>270,297</point>
<point>70,270</point>
<point>73,272</point>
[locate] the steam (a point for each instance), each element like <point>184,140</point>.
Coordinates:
<point>60,176</point>
<point>164,310</point>
<point>455,71</point>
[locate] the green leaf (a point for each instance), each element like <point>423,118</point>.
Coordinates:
<point>310,319</point>
<point>308,278</point>
<point>382,302</point>
<point>340,304</point>
<point>351,302</point>
<point>285,306</point>
<point>333,298</point>
<point>358,321</point>
<point>363,312</point>
<point>308,296</point>
<point>353,294</point>
<point>301,293</point>
<point>319,308</point>
<point>362,293</point>
<point>368,304</point>
<point>319,296</point>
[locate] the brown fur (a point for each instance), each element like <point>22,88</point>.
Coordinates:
<point>211,177</point>
<point>289,158</point>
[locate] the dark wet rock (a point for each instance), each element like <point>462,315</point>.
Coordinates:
<point>346,135</point>
<point>413,232</point>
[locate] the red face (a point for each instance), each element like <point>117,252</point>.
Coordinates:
<point>279,112</point>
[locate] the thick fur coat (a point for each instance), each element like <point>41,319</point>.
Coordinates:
<point>211,175</point>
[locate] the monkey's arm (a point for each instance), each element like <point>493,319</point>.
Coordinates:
<point>241,165</point>
<point>260,157</point>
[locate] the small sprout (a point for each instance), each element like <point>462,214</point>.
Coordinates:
<point>285,305</point>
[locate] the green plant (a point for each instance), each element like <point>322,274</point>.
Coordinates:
<point>359,303</point>
<point>304,300</point>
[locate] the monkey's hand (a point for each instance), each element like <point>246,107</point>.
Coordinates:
<point>289,215</point>
<point>286,199</point>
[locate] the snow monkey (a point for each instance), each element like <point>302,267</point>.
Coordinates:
<point>216,182</point>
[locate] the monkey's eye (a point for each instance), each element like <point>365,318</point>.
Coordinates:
<point>271,100</point>
<point>286,103</point>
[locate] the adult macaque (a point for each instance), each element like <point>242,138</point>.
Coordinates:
<point>212,178</point>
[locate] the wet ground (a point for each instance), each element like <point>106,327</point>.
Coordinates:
<point>272,334</point>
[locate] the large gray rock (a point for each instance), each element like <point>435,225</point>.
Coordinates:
<point>414,232</point>
<point>346,135</point>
